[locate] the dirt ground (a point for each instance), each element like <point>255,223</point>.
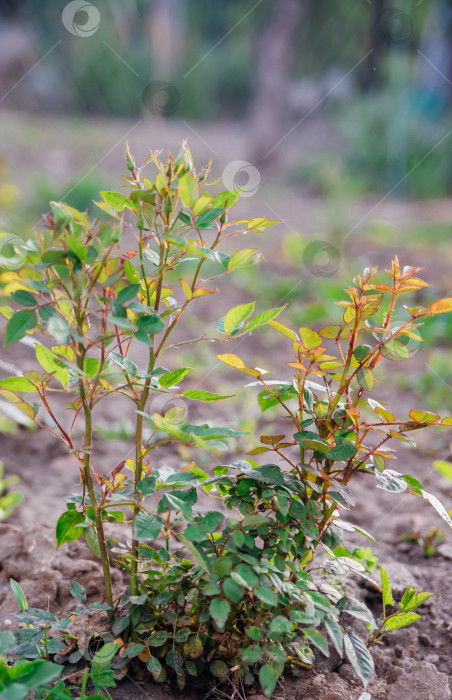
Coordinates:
<point>406,662</point>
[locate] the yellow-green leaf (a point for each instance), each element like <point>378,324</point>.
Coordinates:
<point>423,416</point>
<point>188,190</point>
<point>444,468</point>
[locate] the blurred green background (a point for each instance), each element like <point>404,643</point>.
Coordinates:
<point>333,117</point>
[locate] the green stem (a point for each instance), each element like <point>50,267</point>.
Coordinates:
<point>99,527</point>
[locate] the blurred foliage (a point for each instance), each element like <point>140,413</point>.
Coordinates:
<point>433,384</point>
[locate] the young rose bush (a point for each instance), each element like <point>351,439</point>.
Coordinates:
<point>251,584</point>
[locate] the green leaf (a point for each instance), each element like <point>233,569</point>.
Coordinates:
<point>261,320</point>
<point>205,219</point>
<point>124,363</point>
<point>105,653</point>
<point>198,555</point>
<point>232,590</point>
<point>365,378</point>
<point>58,327</point>
<point>78,591</point>
<point>198,395</point>
<point>154,666</point>
<point>116,200</point>
<point>266,595</point>
<point>150,323</point>
<point>395,350</point>
<point>317,639</point>
<point>387,593</point>
<point>146,527</point>
<point>219,610</point>
<point>32,674</point>
<point>416,600</point>
<point>18,325</point>
<point>51,363</point>
<point>66,530</point>
<point>281,624</point>
<point>19,595</point>
<point>361,352</point>
<point>175,661</point>
<point>127,293</point>
<point>171,378</point>
<point>188,190</point>
<point>268,677</point>
<point>23,297</point>
<point>359,657</point>
<point>401,620</point>
<point>91,539</point>
<point>211,521</point>
<point>254,633</point>
<point>79,249</point>
<point>236,316</point>
<point>218,669</point>
<point>6,640</point>
<point>17,384</point>
<point>344,451</point>
<point>336,634</point>
<point>158,639</point>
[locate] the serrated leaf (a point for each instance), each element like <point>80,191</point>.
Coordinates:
<point>359,657</point>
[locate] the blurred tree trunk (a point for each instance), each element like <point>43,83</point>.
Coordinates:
<point>370,76</point>
<point>165,25</point>
<point>275,57</point>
